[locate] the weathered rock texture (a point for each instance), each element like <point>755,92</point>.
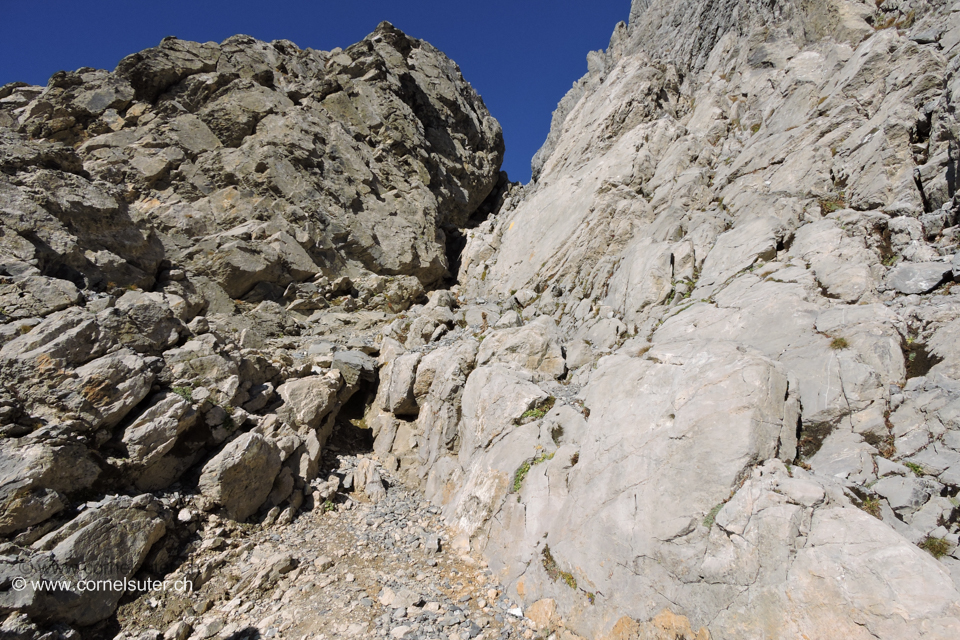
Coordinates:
<point>252,162</point>
<point>700,378</point>
<point>705,366</point>
<point>175,237</point>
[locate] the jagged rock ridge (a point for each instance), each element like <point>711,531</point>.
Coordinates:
<point>340,161</point>
<point>176,236</point>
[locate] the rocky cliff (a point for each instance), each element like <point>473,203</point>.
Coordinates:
<point>710,361</point>
<point>175,238</point>
<point>699,379</point>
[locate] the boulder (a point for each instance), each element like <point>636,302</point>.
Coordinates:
<point>307,401</point>
<point>107,542</point>
<point>155,431</point>
<point>107,388</point>
<point>354,366</point>
<point>241,476</point>
<point>35,480</point>
<point>145,322</point>
<point>401,400</point>
<point>844,541</point>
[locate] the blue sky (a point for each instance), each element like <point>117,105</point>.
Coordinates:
<point>521,55</point>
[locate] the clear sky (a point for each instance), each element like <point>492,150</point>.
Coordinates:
<point>520,55</point>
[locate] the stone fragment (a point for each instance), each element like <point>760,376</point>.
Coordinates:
<point>367,478</point>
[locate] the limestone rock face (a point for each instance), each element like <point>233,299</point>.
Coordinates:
<point>717,374</point>
<point>700,378</point>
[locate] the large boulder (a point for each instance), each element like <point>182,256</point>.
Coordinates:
<point>307,401</point>
<point>155,431</point>
<point>35,480</point>
<point>106,543</point>
<point>108,388</point>
<point>240,477</point>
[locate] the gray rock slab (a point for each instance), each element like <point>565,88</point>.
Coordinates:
<point>918,277</point>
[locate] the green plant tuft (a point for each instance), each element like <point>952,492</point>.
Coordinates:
<point>184,392</point>
<point>521,473</point>
<point>712,516</point>
<point>553,570</point>
<point>916,468</point>
<point>872,506</point>
<point>937,547</point>
<point>839,343</point>
<point>541,410</point>
<point>829,205</point>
